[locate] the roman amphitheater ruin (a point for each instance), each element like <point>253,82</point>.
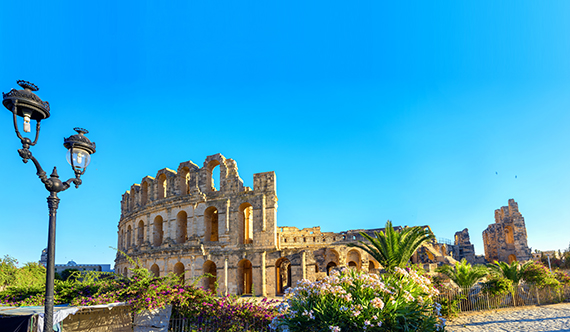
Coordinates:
<point>506,239</point>
<point>180,222</point>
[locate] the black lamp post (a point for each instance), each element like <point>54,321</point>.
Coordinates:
<point>24,103</point>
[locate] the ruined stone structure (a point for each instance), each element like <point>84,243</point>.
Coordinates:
<point>506,239</point>
<point>180,222</point>
<point>463,249</point>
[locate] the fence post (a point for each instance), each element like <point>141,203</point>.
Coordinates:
<point>537,294</point>
<point>488,304</point>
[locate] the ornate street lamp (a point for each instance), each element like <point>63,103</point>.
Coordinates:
<point>25,104</point>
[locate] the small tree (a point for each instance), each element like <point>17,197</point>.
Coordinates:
<point>8,271</point>
<point>394,249</point>
<point>464,274</point>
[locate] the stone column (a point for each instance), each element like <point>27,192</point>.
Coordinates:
<point>303,265</point>
<point>263,275</point>
<point>226,276</point>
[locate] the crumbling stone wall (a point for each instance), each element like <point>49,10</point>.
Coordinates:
<point>180,222</point>
<point>506,239</point>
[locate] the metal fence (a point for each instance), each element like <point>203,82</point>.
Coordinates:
<point>179,323</point>
<point>477,298</point>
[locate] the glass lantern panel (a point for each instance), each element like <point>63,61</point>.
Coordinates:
<point>81,158</point>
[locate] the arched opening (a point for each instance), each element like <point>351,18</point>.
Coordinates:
<point>125,272</point>
<point>509,235</point>
<point>184,175</point>
<point>211,223</point>
<point>144,193</point>
<point>332,257</point>
<point>155,270</point>
<point>330,265</point>
<point>157,231</point>
<point>132,202</point>
<point>214,169</point>
<point>373,265</point>
<point>282,275</point>
<point>181,220</point>
<point>140,233</point>
<point>246,223</point>
<point>353,258</point>
<point>179,271</point>
<point>512,258</point>
<point>209,282</point>
<point>129,234</point>
<point>161,186</point>
<point>245,277</point>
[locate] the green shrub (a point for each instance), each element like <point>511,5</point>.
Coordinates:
<point>498,286</point>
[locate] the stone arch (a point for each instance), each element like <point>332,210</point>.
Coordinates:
<point>210,282</point>
<point>140,233</point>
<point>184,178</point>
<point>161,186</point>
<point>330,265</point>
<point>133,196</point>
<point>129,236</point>
<point>331,256</point>
<point>126,272</point>
<point>179,271</point>
<point>245,277</point>
<point>157,232</point>
<point>246,223</point>
<point>509,235</point>
<point>144,193</point>
<point>353,259</point>
<point>211,162</point>
<point>512,258</point>
<point>181,226</point>
<point>211,166</point>
<point>282,275</point>
<point>155,270</point>
<point>373,264</point>
<point>211,224</point>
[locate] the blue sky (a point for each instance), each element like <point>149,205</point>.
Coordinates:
<point>424,113</point>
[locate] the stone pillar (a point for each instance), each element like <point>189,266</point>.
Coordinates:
<point>303,265</point>
<point>263,275</point>
<point>227,218</point>
<point>263,219</point>
<point>168,235</point>
<point>226,276</point>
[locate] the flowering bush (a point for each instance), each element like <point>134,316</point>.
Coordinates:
<point>539,274</point>
<point>350,300</point>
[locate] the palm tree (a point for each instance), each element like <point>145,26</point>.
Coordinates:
<point>464,274</point>
<point>513,271</point>
<point>394,249</point>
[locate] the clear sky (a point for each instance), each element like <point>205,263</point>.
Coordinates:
<point>425,113</point>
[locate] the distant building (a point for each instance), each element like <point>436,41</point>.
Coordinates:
<point>83,267</point>
<point>72,265</point>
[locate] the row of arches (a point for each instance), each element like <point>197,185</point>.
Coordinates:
<point>243,275</point>
<point>186,178</point>
<point>136,236</point>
